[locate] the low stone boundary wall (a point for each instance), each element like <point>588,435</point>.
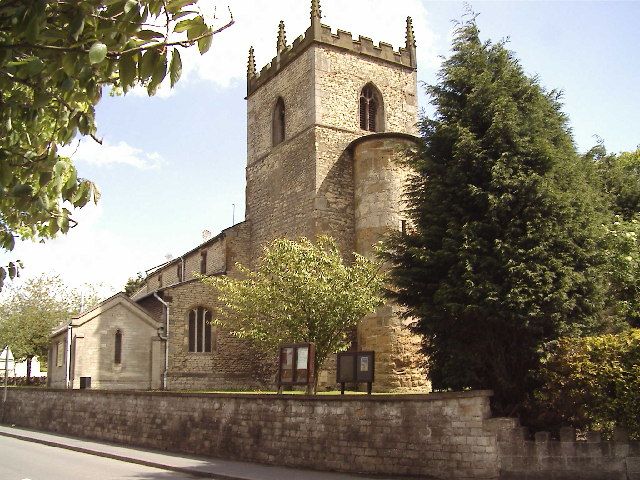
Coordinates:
<point>542,458</point>
<point>440,435</point>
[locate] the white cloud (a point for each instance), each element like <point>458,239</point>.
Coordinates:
<point>92,153</point>
<point>87,254</point>
<point>256,23</point>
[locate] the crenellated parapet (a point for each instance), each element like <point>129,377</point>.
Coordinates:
<point>318,33</point>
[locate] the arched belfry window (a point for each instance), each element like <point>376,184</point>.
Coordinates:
<point>278,128</point>
<point>117,354</point>
<point>199,330</point>
<point>371,109</point>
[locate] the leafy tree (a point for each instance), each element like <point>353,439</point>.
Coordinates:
<point>29,312</point>
<point>618,176</point>
<point>134,284</point>
<point>300,292</point>
<point>503,256</point>
<point>621,248</point>
<point>592,383</point>
<point>55,59</point>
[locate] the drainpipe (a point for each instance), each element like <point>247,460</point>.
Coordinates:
<point>68,357</point>
<point>182,267</point>
<point>166,341</point>
<point>6,374</point>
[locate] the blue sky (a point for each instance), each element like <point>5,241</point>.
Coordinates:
<point>173,165</point>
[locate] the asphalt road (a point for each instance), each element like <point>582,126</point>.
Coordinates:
<point>20,460</point>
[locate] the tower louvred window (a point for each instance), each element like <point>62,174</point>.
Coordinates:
<point>370,109</point>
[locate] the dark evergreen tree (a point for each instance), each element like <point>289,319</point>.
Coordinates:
<point>503,256</point>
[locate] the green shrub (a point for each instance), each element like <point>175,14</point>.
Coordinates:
<point>592,383</point>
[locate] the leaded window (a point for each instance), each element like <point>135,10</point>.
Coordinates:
<point>199,330</point>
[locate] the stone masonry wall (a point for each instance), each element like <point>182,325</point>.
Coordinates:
<point>379,183</point>
<point>280,193</point>
<point>216,263</point>
<point>232,363</point>
<point>93,350</point>
<point>436,436</point>
<point>338,107</point>
<point>57,367</point>
<point>541,458</point>
<point>295,85</point>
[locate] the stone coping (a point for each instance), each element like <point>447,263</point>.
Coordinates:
<point>383,397</point>
<point>382,136</point>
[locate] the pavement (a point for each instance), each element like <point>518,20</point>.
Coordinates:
<point>196,466</point>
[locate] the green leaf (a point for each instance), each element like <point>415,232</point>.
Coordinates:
<point>52,228</point>
<point>69,63</point>
<point>22,190</point>
<point>63,223</point>
<point>130,4</point>
<point>34,67</point>
<point>40,98</point>
<point>67,84</point>
<point>204,44</point>
<point>184,25</point>
<point>97,52</point>
<point>77,25</point>
<point>127,70</point>
<point>175,6</point>
<point>6,174</point>
<point>8,241</point>
<point>148,63</point>
<point>71,181</point>
<point>59,168</point>
<point>149,34</point>
<point>45,177</point>
<point>159,72</point>
<point>12,270</point>
<point>197,29</point>
<point>175,68</point>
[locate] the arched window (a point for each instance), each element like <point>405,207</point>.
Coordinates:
<point>371,109</point>
<point>117,357</point>
<point>278,126</point>
<point>199,330</point>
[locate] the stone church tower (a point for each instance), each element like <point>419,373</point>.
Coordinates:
<point>326,118</point>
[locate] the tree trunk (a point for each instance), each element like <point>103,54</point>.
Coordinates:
<point>29,370</point>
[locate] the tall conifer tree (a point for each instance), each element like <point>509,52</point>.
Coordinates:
<point>503,253</point>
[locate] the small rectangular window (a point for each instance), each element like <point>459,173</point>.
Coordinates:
<point>160,280</point>
<point>403,227</point>
<point>118,348</point>
<point>203,262</point>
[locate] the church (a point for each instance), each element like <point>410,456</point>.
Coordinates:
<point>327,120</point>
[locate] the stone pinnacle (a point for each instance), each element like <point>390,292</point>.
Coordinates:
<point>315,10</point>
<point>251,64</point>
<point>282,38</point>
<point>411,38</point>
